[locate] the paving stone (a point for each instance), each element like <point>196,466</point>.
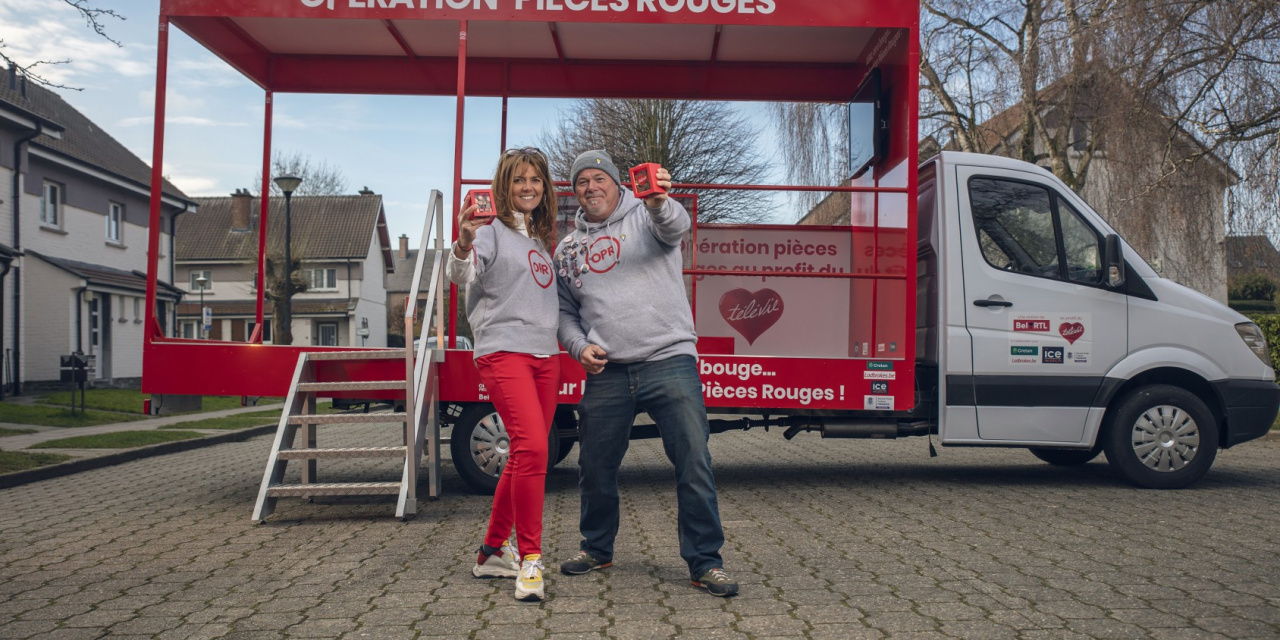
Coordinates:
<point>848,539</point>
<point>327,628</point>
<point>144,626</point>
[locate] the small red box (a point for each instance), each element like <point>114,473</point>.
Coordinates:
<point>644,180</point>
<point>483,199</point>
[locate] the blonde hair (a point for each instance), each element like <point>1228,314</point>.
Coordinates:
<point>541,224</point>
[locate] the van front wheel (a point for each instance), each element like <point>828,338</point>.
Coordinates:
<point>1161,437</point>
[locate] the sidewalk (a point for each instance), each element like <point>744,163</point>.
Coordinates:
<point>85,459</point>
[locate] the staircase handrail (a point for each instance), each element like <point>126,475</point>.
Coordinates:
<point>416,367</point>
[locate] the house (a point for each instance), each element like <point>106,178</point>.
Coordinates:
<point>345,249</point>
<point>74,219</point>
<point>1248,255</point>
<point>398,283</point>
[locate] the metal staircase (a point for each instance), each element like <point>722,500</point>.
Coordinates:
<point>379,371</point>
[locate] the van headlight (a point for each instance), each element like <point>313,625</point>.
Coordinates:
<point>1257,343</point>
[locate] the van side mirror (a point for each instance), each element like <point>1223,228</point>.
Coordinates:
<point>1114,261</point>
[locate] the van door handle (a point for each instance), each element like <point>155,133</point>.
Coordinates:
<point>992,303</point>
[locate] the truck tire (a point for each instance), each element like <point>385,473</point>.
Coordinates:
<point>1066,457</point>
<point>566,419</point>
<point>566,446</point>
<point>1161,437</point>
<point>480,447</point>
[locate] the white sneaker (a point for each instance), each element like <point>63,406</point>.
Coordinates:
<point>529,585</point>
<point>506,565</point>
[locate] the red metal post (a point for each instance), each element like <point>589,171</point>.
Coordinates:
<point>262,215</point>
<point>457,170</point>
<point>157,179</point>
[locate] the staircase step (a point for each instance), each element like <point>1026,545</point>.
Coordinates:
<point>363,354</point>
<point>372,385</point>
<point>347,418</point>
<point>335,489</point>
<point>348,452</point>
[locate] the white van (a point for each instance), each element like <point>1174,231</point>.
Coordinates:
<point>1010,262</point>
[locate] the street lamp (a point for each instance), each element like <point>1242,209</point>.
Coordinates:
<point>287,184</point>
<point>201,281</point>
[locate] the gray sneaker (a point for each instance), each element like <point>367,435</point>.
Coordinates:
<point>582,563</point>
<point>717,583</point>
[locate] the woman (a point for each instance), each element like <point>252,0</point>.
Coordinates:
<point>513,310</point>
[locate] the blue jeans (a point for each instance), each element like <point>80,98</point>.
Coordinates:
<point>671,393</point>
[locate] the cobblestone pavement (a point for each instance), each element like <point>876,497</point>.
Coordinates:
<point>830,539</point>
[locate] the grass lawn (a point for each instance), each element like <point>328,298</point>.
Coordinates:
<point>51,416</point>
<point>15,432</point>
<point>122,400</point>
<point>11,461</point>
<point>130,400</point>
<point>117,440</point>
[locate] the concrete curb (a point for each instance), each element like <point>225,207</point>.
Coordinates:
<point>69,467</point>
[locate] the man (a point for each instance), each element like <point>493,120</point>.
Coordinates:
<point>624,316</point>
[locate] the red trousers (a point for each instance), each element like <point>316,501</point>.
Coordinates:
<point>523,388</point>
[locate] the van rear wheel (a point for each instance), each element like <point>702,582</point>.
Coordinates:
<point>1066,457</point>
<point>1161,437</point>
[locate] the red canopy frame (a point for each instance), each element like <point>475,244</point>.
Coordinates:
<point>757,50</point>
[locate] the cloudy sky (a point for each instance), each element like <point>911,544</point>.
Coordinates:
<point>401,147</point>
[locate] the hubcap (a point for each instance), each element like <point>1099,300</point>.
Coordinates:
<point>490,445</point>
<point>1165,438</point>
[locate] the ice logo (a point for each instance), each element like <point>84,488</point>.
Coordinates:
<point>312,4</point>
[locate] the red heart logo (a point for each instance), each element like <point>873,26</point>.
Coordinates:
<point>751,313</point>
<point>1071,331</point>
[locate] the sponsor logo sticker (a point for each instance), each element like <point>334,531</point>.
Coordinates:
<point>877,403</point>
<point>1052,355</point>
<point>879,387</point>
<point>1023,350</point>
<point>879,375</point>
<point>880,366</point>
<point>1031,325</point>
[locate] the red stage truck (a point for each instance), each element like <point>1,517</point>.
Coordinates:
<point>971,298</point>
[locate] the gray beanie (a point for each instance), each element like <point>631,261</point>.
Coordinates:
<point>594,159</point>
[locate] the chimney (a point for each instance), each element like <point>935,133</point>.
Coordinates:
<point>404,246</point>
<point>240,201</point>
<point>366,192</point>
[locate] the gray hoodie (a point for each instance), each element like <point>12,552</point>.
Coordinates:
<point>511,299</point>
<point>632,301</point>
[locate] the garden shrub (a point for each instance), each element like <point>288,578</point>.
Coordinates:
<point>1252,286</point>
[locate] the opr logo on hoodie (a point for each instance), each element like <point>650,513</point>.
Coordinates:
<point>603,254</point>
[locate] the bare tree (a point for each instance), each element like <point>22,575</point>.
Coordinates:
<point>1178,97</point>
<point>817,147</point>
<point>318,178</point>
<point>277,288</point>
<point>699,142</point>
<point>93,18</point>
